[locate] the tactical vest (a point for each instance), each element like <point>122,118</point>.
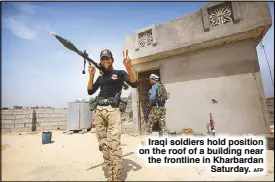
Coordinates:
<point>162,94</point>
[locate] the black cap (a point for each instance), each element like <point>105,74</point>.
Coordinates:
<point>106,53</point>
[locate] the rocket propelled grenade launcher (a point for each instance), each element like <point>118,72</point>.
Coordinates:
<point>66,43</point>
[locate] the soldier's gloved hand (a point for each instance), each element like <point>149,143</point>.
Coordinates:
<point>92,70</point>
<point>149,106</point>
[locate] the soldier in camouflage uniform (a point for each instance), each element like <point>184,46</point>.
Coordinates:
<point>157,98</point>
<point>107,115</point>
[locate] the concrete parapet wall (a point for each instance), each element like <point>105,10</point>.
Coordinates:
<point>207,55</point>
<point>27,120</point>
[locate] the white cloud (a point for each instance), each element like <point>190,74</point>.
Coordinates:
<point>20,28</point>
<point>24,23</point>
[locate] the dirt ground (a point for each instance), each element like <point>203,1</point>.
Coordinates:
<point>76,157</point>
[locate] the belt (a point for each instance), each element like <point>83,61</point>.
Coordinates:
<point>107,102</point>
<point>104,102</point>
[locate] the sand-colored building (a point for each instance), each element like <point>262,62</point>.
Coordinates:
<point>208,54</point>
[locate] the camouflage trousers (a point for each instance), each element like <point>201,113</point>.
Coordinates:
<point>157,115</point>
<point>108,133</point>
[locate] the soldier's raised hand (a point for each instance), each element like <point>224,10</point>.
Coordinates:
<point>126,60</point>
<point>91,70</point>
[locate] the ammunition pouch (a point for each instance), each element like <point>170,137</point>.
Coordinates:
<point>122,105</point>
<point>93,103</point>
<point>159,103</point>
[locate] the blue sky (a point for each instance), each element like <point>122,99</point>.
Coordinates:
<point>38,70</point>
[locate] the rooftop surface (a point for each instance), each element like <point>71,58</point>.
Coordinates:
<point>68,159</point>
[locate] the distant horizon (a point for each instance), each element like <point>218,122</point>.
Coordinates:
<point>40,106</point>
<point>38,70</point>
<point>67,106</point>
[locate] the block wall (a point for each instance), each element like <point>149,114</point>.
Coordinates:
<point>26,120</point>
